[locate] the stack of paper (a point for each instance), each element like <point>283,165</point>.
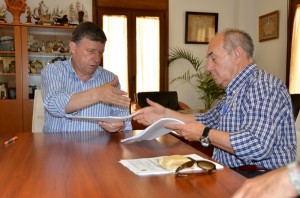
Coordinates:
<point>109,119</point>
<point>150,166</point>
<point>153,131</point>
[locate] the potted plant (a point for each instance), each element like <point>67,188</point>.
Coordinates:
<point>199,78</point>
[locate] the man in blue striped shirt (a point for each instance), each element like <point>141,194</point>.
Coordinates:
<point>252,128</point>
<point>79,86</point>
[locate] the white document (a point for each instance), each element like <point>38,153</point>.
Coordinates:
<point>109,119</point>
<point>153,131</point>
<point>150,166</point>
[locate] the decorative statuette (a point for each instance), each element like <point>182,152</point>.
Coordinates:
<point>16,8</point>
<point>28,14</point>
<point>42,15</point>
<point>3,14</point>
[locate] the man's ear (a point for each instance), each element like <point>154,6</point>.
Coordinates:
<point>239,54</point>
<point>72,46</point>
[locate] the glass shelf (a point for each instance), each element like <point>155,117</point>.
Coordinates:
<point>7,63</point>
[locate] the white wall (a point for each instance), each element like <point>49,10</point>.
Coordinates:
<point>271,55</point>
<point>243,14</point>
<point>177,10</point>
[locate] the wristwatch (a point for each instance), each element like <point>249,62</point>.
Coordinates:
<point>204,140</point>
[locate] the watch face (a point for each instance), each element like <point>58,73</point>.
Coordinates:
<point>205,142</point>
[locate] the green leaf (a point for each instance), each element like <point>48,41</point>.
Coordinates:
<point>207,89</point>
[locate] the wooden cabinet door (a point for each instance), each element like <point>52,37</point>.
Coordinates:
<point>10,79</point>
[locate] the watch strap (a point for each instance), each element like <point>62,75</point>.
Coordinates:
<point>205,132</point>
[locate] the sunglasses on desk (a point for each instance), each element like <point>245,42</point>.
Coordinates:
<point>206,166</point>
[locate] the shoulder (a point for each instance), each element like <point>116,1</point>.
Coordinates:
<point>105,74</point>
<point>267,81</point>
<point>58,66</point>
<point>264,84</point>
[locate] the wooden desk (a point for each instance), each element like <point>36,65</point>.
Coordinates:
<point>86,165</point>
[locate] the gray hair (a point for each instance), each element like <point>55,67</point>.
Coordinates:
<point>234,38</point>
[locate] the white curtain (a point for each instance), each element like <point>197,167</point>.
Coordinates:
<point>115,55</point>
<point>147,33</point>
<point>147,51</point>
<point>294,85</point>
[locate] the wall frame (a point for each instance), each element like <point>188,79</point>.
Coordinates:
<point>200,27</point>
<point>268,26</point>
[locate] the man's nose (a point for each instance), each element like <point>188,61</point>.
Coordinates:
<point>209,65</point>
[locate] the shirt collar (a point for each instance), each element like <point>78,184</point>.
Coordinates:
<point>95,74</point>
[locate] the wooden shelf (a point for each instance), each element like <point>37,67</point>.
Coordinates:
<point>7,74</point>
<point>16,114</point>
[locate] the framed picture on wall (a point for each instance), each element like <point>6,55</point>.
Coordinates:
<point>268,26</point>
<point>200,27</point>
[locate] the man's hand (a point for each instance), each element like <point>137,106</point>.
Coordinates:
<point>109,93</point>
<point>191,131</point>
<point>275,183</point>
<point>112,127</point>
<point>148,115</point>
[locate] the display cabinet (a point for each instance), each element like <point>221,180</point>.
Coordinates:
<point>42,45</point>
<point>10,79</point>
<point>24,51</point>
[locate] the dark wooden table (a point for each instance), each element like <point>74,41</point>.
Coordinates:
<point>87,165</point>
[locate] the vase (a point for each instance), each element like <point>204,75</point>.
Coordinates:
<point>16,8</point>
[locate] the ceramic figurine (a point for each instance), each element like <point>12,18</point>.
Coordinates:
<point>41,14</point>
<point>28,14</point>
<point>3,14</point>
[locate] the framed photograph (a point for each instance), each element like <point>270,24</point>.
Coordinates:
<point>200,27</point>
<point>268,26</point>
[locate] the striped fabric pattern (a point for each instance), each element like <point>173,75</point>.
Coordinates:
<point>259,118</point>
<point>59,83</point>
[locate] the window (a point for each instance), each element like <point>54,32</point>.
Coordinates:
<point>294,81</point>
<point>115,56</point>
<point>147,50</point>
<point>292,66</point>
<point>135,48</point>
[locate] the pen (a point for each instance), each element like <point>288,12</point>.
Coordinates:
<point>224,109</point>
<point>11,140</point>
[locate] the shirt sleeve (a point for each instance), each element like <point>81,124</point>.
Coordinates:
<point>211,118</point>
<point>266,119</point>
<point>55,99</point>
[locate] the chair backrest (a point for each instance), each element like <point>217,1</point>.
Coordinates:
<point>298,136</point>
<point>167,99</point>
<point>296,104</point>
<point>38,112</point>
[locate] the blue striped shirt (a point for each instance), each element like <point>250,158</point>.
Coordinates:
<point>59,83</point>
<point>257,112</point>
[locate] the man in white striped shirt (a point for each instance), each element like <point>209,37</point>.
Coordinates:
<point>79,86</point>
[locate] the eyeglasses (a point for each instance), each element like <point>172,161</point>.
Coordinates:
<point>208,167</point>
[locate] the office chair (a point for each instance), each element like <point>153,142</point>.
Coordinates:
<point>296,104</point>
<point>297,123</point>
<point>167,99</point>
<point>38,112</point>
<point>296,109</point>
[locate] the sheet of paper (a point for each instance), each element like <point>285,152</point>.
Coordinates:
<point>109,119</point>
<point>153,131</point>
<point>150,166</point>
